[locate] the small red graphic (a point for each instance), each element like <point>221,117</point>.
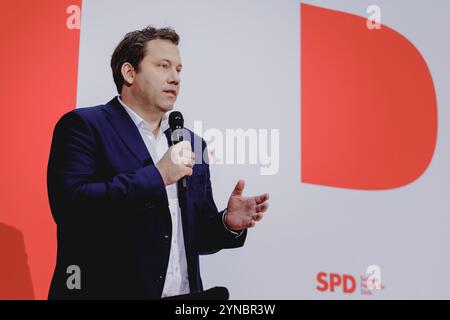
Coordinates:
<point>331,282</point>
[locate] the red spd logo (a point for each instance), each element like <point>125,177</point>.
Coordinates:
<point>334,281</point>
<point>348,284</point>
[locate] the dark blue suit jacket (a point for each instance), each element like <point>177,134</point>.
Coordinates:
<point>111,209</point>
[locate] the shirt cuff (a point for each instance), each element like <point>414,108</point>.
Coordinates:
<point>237,234</point>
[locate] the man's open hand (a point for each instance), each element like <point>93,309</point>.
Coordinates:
<point>244,212</point>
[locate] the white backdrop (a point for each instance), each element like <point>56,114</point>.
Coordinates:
<point>241,64</point>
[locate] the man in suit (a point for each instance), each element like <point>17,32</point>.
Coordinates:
<point>123,224</point>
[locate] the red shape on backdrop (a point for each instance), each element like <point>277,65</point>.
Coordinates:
<point>15,277</point>
<point>369,113</point>
<point>39,79</point>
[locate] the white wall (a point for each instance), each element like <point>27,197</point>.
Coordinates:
<point>241,70</point>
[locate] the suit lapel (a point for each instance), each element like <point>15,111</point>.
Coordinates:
<point>129,134</point>
<point>127,131</point>
<point>168,134</point>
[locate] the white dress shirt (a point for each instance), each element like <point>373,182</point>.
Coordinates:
<point>177,281</point>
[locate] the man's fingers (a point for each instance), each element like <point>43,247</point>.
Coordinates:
<point>261,208</point>
<point>251,224</point>
<point>182,148</point>
<point>189,162</point>
<point>261,198</point>
<point>180,151</point>
<point>184,145</point>
<point>187,171</point>
<point>258,217</point>
<point>239,188</point>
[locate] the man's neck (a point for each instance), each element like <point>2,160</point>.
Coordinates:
<point>149,113</point>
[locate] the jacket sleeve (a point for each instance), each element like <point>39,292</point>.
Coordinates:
<point>73,185</point>
<point>213,235</point>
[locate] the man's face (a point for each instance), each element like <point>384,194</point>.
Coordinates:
<point>158,81</point>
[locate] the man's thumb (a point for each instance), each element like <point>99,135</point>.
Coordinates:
<point>239,188</point>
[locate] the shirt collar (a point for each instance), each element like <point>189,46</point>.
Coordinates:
<point>139,122</point>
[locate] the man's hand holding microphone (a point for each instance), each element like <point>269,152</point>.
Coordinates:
<point>176,163</point>
<point>242,212</point>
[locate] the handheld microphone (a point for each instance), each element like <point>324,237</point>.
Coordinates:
<point>176,124</point>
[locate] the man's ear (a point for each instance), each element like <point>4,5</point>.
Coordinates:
<point>128,73</point>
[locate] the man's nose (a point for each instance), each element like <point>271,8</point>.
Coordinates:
<point>174,77</point>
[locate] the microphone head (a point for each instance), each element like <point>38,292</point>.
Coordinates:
<point>176,120</point>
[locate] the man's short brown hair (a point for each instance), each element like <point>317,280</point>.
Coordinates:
<point>132,49</point>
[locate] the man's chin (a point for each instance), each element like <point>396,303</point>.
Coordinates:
<point>166,108</point>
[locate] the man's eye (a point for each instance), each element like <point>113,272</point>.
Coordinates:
<point>163,65</point>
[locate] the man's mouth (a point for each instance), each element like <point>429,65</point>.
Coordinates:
<point>171,93</point>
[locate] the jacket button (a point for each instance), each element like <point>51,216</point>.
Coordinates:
<point>160,279</point>
<point>149,205</point>
<point>166,237</point>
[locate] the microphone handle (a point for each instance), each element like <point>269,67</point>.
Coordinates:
<point>182,183</point>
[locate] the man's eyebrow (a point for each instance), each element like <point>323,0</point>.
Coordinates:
<point>170,62</point>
